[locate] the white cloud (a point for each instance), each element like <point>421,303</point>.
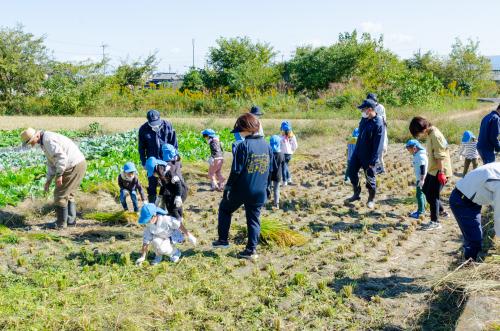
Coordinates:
<point>399,38</point>
<point>371,27</point>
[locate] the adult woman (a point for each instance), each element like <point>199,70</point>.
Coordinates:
<point>246,184</point>
<point>439,167</point>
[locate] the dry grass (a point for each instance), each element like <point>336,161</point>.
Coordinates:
<point>273,232</point>
<point>114,218</point>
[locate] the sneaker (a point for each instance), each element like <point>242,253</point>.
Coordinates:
<point>284,184</point>
<point>355,197</point>
<point>158,258</point>
<point>347,181</point>
<point>444,214</point>
<point>248,254</point>
<point>220,244</point>
<point>432,226</point>
<point>175,256</point>
<point>415,214</point>
<point>371,204</point>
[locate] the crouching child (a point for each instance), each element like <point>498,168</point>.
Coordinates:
<point>129,186</point>
<point>158,233</point>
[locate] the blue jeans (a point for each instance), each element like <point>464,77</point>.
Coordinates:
<point>487,156</point>
<point>252,213</point>
<point>133,197</point>
<point>286,171</point>
<point>468,216</point>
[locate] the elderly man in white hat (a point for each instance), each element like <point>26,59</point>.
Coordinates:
<point>65,163</point>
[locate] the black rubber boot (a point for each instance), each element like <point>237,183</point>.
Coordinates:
<point>355,196</point>
<point>71,213</point>
<point>62,218</point>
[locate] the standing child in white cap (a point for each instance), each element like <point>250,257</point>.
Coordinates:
<point>158,232</point>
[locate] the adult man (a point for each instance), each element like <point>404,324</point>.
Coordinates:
<point>380,110</point>
<point>258,113</point>
<point>479,187</point>
<point>65,163</point>
<point>487,143</point>
<point>152,136</point>
<point>367,152</point>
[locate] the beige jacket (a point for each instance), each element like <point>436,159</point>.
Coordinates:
<point>61,152</point>
<point>437,149</point>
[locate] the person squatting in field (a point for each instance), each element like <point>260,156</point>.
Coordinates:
<point>420,164</point>
<point>246,185</point>
<point>369,147</point>
<point>66,163</point>
<point>152,136</point>
<point>288,147</point>
<point>159,233</point>
<point>439,167</point>
<point>129,185</point>
<point>215,161</point>
<point>478,188</point>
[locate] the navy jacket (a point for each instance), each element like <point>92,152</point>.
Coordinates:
<point>250,170</point>
<point>277,166</point>
<point>488,133</point>
<point>369,145</point>
<point>150,142</point>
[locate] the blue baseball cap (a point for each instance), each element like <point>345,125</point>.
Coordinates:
<point>148,211</point>
<point>275,142</point>
<point>151,164</point>
<point>355,133</point>
<point>153,117</point>
<point>208,132</point>
<point>367,103</point>
<point>256,111</point>
<point>168,152</point>
<point>372,96</point>
<point>468,135</point>
<point>414,143</point>
<point>129,167</point>
<point>286,126</point>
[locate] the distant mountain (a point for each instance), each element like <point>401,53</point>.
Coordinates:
<point>495,62</point>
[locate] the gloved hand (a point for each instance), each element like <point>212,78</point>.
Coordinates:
<point>460,157</point>
<point>442,178</point>
<point>227,192</point>
<point>140,260</point>
<point>421,182</point>
<point>192,239</point>
<point>178,201</point>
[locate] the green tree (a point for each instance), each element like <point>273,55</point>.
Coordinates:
<point>240,65</point>
<point>22,67</point>
<point>135,73</point>
<point>193,81</point>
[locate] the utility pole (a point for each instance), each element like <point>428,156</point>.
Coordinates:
<point>103,45</point>
<point>193,53</point>
<point>169,68</point>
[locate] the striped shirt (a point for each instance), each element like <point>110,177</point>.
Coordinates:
<point>469,150</point>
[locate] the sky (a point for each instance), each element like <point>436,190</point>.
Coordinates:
<point>75,30</point>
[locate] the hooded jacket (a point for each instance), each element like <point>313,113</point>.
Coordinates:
<point>150,142</point>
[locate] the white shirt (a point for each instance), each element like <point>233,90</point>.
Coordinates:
<point>482,186</point>
<point>288,144</point>
<point>163,228</point>
<point>380,110</point>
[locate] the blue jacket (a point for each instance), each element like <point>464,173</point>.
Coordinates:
<point>250,169</point>
<point>370,143</point>
<point>488,133</point>
<point>150,142</point>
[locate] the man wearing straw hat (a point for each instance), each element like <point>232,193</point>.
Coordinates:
<point>65,163</point>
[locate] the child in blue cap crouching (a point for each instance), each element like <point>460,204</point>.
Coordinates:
<point>158,232</point>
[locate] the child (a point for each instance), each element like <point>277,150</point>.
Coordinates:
<point>420,163</point>
<point>159,231</point>
<point>277,169</point>
<point>215,161</point>
<point>288,147</point>
<point>351,143</point>
<point>468,149</point>
<point>129,185</point>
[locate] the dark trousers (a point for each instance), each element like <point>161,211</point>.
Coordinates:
<point>487,156</point>
<point>152,186</point>
<point>371,179</point>
<point>467,163</point>
<point>252,212</point>
<point>468,216</point>
<point>432,190</point>
<point>286,171</point>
